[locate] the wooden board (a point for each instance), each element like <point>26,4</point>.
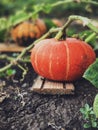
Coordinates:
<point>44,86</point>
<point>10,47</point>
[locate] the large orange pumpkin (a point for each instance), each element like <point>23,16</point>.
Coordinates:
<point>26,32</point>
<point>64,60</point>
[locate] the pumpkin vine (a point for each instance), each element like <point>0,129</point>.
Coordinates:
<point>87,22</point>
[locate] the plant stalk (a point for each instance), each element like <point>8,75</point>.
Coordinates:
<point>85,21</point>
<point>14,62</point>
<point>89,38</point>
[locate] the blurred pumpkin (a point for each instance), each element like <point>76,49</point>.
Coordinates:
<point>27,32</point>
<point>57,22</point>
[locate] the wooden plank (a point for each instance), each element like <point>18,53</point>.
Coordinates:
<point>37,84</point>
<point>44,86</point>
<point>70,88</point>
<point>10,47</point>
<point>52,87</point>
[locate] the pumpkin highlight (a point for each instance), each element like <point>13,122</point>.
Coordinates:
<point>64,60</point>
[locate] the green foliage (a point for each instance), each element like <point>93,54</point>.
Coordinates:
<point>49,23</point>
<point>3,28</point>
<point>46,8</point>
<point>9,7</point>
<point>90,37</point>
<point>91,74</point>
<point>87,35</point>
<point>31,9</point>
<point>89,117</point>
<point>19,17</point>
<point>95,106</point>
<point>8,73</point>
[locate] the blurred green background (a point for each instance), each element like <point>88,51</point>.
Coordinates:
<point>12,12</point>
<point>8,7</point>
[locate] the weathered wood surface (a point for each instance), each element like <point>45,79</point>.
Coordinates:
<point>44,86</point>
<point>10,47</point>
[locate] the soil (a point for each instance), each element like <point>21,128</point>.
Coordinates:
<point>22,109</point>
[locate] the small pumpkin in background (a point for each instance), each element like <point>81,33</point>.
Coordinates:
<point>57,22</point>
<point>62,60</point>
<point>27,32</point>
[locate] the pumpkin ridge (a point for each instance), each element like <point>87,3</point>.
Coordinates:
<point>20,30</point>
<point>34,31</point>
<point>67,57</point>
<point>25,33</point>
<point>29,31</point>
<point>39,29</point>
<point>42,60</point>
<point>50,64</point>
<point>32,35</point>
<point>35,61</point>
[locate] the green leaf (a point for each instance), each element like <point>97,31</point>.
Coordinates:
<point>47,8</point>
<point>3,28</point>
<point>94,124</point>
<point>20,16</point>
<point>91,74</point>
<point>3,23</point>
<point>95,105</point>
<point>86,125</point>
<point>10,72</point>
<point>87,107</point>
<point>82,110</point>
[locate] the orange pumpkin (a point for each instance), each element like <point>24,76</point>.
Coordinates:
<point>64,60</point>
<point>26,32</point>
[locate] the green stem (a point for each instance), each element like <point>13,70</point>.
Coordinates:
<point>69,1</point>
<point>60,33</point>
<point>58,4</point>
<point>89,38</point>
<point>24,71</point>
<point>86,22</point>
<point>9,58</point>
<point>52,30</point>
<point>89,2</point>
<point>6,67</point>
<point>61,2</point>
<point>22,68</point>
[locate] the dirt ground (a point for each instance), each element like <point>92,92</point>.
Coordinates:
<point>22,109</point>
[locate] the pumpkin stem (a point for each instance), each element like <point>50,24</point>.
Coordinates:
<point>62,31</point>
<point>85,22</point>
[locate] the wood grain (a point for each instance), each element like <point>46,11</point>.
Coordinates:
<point>10,47</point>
<point>44,86</point>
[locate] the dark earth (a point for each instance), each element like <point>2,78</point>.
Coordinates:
<point>22,109</point>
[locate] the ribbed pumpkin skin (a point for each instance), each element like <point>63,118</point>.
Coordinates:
<point>26,32</point>
<point>62,60</point>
